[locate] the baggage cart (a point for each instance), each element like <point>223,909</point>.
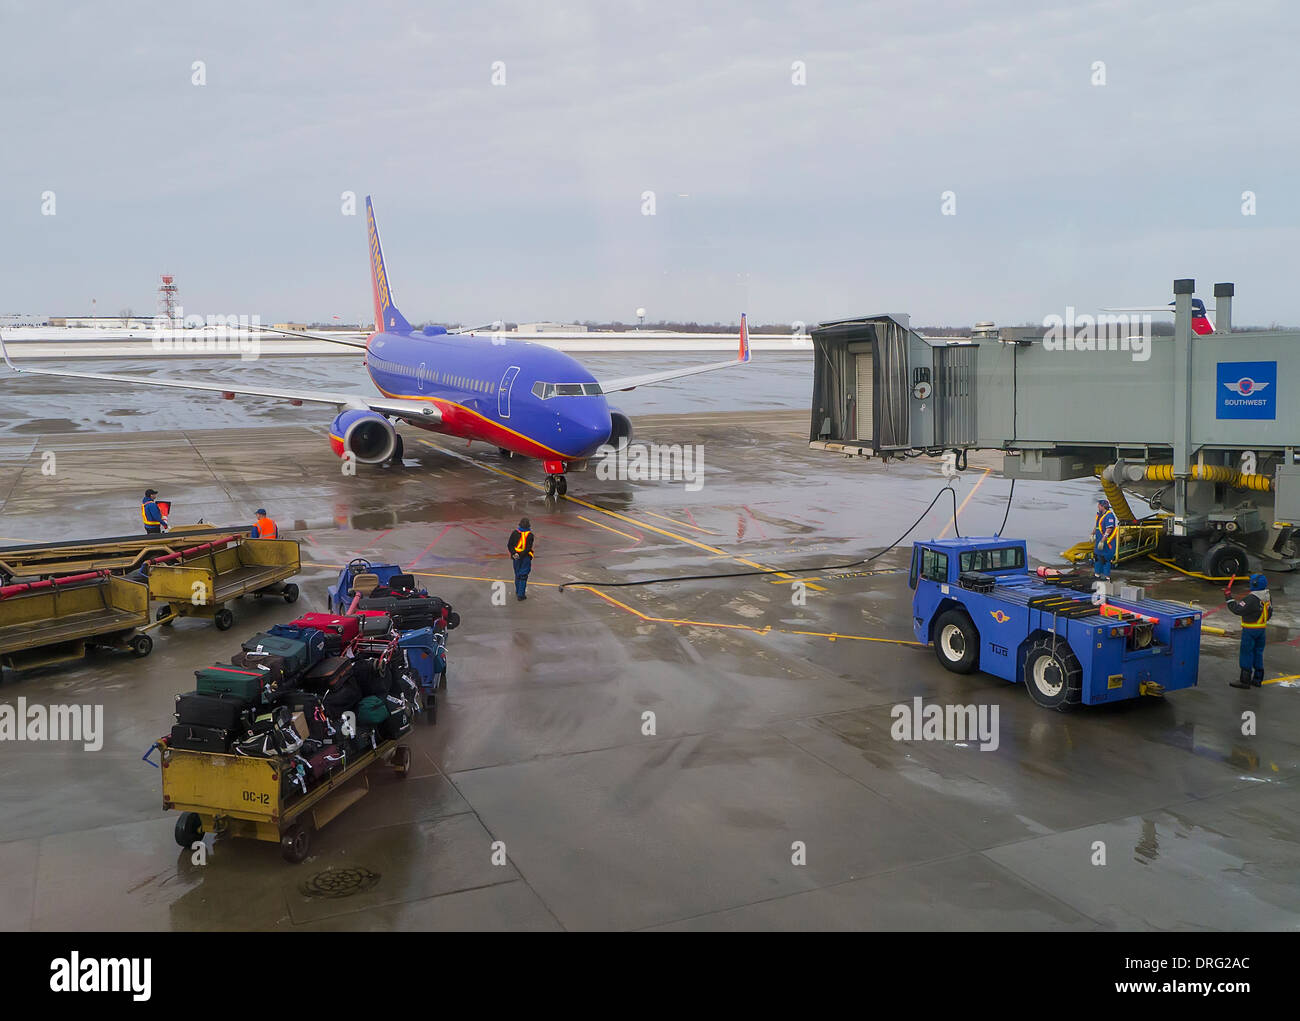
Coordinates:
<point>199,582</point>
<point>119,554</point>
<point>57,620</point>
<point>233,795</point>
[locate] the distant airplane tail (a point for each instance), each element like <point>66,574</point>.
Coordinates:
<point>743,355</point>
<point>386,315</point>
<point>1200,321</point>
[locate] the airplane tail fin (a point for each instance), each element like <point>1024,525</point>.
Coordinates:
<point>743,355</point>
<point>386,315</point>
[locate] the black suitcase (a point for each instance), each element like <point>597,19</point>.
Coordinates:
<point>417,611</point>
<point>329,670</point>
<point>200,739</point>
<point>342,697</point>
<point>221,711</point>
<point>372,678</point>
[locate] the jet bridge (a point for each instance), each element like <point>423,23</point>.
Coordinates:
<point>1201,427</point>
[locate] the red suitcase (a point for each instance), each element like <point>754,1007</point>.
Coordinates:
<point>340,631</point>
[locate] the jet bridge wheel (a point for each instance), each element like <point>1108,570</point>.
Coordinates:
<point>1053,674</point>
<point>956,642</point>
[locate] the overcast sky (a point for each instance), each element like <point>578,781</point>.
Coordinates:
<point>524,200</point>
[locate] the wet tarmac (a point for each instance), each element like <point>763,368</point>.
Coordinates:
<point>769,794</point>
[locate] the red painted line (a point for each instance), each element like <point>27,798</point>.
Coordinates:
<point>312,540</point>
<point>445,529</point>
<point>374,540</point>
<point>761,530</point>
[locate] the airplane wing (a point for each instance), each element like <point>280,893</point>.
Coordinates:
<point>414,410</point>
<point>301,335</point>
<point>632,382</point>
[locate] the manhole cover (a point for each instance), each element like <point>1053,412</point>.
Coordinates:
<point>335,883</point>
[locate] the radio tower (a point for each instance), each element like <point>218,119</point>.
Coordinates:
<point>168,301</point>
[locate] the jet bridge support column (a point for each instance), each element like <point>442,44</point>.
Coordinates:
<point>1223,307</point>
<point>1182,432</point>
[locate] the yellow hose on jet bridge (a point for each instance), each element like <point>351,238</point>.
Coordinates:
<point>1118,501</point>
<point>1212,473</point>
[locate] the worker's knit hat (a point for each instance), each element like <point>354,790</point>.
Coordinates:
<point>1258,582</point>
<point>1104,503</point>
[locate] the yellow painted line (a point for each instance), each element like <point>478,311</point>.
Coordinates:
<point>633,521</point>
<point>663,517</point>
<point>634,538</point>
<point>767,629</point>
<point>1286,677</point>
<point>953,520</point>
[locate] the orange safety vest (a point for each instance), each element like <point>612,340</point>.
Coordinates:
<point>266,529</point>
<point>1266,610</point>
<point>522,545</point>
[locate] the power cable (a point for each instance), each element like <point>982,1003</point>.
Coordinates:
<point>781,570</point>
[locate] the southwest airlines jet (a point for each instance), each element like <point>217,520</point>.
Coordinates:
<point>522,398</point>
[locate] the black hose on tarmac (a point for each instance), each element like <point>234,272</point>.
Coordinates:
<point>783,570</point>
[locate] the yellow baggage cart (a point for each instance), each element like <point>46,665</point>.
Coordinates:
<point>232,795</point>
<point>199,582</point>
<point>54,621</point>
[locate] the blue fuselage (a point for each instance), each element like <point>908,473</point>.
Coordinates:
<point>524,397</point>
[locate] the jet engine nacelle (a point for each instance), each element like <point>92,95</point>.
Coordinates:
<point>369,437</point>
<point>620,428</point>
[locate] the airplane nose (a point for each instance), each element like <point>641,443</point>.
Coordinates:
<point>587,430</point>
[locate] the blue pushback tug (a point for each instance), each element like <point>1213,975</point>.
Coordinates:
<point>976,602</point>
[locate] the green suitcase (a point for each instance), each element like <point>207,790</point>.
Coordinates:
<point>222,679</point>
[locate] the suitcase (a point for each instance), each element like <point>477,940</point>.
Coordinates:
<point>220,711</point>
<point>303,633</point>
<point>222,678</point>
<point>418,611</point>
<point>200,739</point>
<point>296,652</point>
<point>340,631</point>
<point>273,668</point>
<point>326,761</point>
<point>376,622</point>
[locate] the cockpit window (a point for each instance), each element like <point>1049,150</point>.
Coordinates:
<point>548,390</point>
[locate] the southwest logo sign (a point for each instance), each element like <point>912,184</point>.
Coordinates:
<point>1246,390</point>
<point>999,616</point>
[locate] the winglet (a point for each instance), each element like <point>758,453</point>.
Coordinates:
<point>386,315</point>
<point>743,356</point>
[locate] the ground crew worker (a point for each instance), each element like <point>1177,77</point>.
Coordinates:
<point>1254,612</point>
<point>155,521</point>
<point>265,527</point>
<point>1105,540</point>
<point>520,545</point>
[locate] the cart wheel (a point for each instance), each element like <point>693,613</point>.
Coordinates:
<point>142,645</point>
<point>402,760</point>
<point>291,593</point>
<point>163,613</point>
<point>296,844</point>
<point>189,828</point>
<point>442,680</point>
<point>224,619</point>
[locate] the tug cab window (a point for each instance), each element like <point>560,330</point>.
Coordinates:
<point>1002,559</point>
<point>932,565</point>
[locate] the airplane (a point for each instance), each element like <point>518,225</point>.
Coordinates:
<point>523,398</point>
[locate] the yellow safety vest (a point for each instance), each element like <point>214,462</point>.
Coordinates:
<point>522,545</point>
<point>145,517</point>
<point>1265,611</point>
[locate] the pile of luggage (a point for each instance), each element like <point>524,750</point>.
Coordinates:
<point>316,692</point>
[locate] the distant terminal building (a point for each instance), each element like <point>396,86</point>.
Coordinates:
<point>550,328</point>
<point>296,327</point>
<point>104,322</point>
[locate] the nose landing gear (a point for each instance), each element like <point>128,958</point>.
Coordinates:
<point>556,483</point>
